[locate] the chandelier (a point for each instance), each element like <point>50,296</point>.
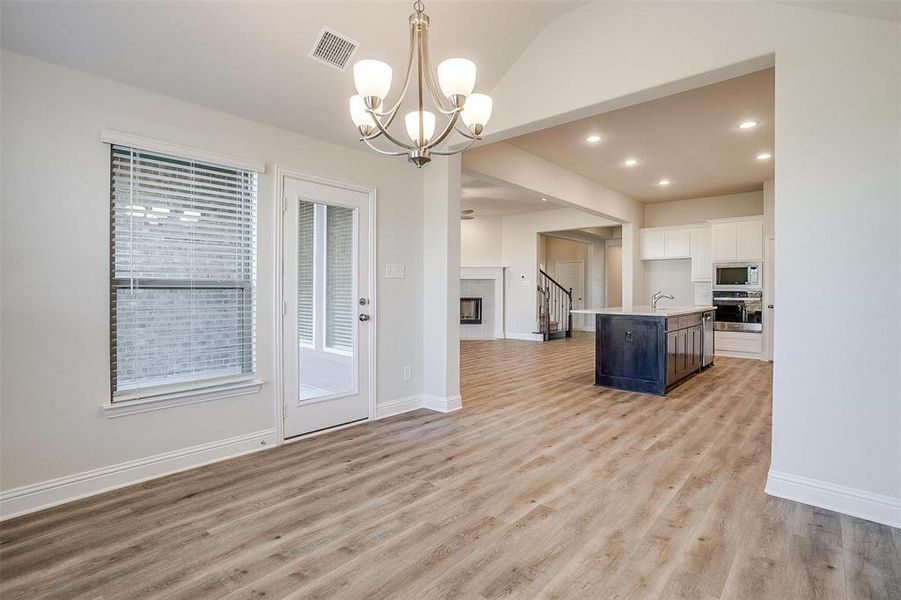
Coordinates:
<point>451,96</point>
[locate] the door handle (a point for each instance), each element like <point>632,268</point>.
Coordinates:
<point>769,306</point>
<point>364,317</point>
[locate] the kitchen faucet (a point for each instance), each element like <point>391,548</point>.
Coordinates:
<point>657,296</point>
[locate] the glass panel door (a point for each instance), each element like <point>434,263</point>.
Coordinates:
<point>326,325</point>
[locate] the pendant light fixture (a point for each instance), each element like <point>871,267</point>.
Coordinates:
<point>451,97</point>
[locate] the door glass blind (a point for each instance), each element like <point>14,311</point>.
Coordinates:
<point>306,223</point>
<point>182,272</point>
<point>340,325</point>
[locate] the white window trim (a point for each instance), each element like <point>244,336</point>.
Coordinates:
<point>171,396</point>
<point>193,392</point>
<point>109,136</point>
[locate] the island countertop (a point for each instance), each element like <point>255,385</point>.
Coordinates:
<point>646,311</point>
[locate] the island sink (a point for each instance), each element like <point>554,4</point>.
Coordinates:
<point>650,350</point>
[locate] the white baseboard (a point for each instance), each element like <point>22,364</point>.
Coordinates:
<point>529,337</point>
<point>398,406</point>
<point>444,405</point>
<point>38,496</point>
<point>831,496</point>
<point>734,354</point>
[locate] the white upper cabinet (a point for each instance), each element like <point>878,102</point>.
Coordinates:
<point>701,261</point>
<point>737,240</point>
<point>750,240</point>
<point>677,243</point>
<point>724,241</point>
<point>664,243</point>
<point>653,244</point>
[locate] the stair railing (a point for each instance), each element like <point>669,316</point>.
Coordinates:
<point>555,304</point>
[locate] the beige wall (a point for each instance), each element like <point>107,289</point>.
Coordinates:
<point>698,210</point>
<point>560,249</point>
<point>55,292</point>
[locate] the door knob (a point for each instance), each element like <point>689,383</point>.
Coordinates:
<point>769,306</point>
<point>364,317</point>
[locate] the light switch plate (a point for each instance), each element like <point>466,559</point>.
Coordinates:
<point>394,271</point>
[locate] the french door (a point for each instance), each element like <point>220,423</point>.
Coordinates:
<point>326,306</point>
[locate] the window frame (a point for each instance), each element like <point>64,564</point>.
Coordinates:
<point>157,397</point>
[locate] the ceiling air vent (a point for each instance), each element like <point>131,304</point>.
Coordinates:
<point>333,49</point>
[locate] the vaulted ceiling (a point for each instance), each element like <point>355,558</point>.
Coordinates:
<point>250,58</point>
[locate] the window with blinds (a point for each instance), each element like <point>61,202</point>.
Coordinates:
<point>182,271</point>
<point>340,325</point>
<point>306,243</point>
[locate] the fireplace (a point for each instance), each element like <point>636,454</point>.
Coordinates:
<point>470,311</point>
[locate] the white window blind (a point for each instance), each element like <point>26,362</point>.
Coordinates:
<point>306,282</point>
<point>182,272</point>
<point>340,326</point>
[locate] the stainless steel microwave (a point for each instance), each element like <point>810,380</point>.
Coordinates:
<point>737,276</point>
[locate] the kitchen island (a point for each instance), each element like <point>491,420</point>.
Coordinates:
<point>643,349</point>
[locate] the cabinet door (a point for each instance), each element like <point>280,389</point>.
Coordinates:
<point>653,244</point>
<point>725,241</point>
<point>701,264</point>
<point>677,243</point>
<point>749,240</point>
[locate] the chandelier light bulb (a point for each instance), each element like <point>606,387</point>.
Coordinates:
<point>411,120</point>
<point>477,111</point>
<point>457,77</point>
<point>358,113</point>
<point>372,79</point>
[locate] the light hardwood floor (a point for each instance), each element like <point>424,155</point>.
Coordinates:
<point>543,486</point>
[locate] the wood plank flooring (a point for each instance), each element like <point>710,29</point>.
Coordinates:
<point>543,486</point>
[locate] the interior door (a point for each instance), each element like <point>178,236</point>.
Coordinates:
<point>571,274</point>
<point>327,327</point>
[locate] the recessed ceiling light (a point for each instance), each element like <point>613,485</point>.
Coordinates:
<point>631,162</point>
<point>544,199</point>
<point>664,182</point>
<point>748,125</point>
<point>764,156</point>
<point>593,139</point>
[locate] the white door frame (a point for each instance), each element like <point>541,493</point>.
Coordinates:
<point>279,298</point>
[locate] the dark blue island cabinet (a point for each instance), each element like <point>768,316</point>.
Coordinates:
<point>651,352</point>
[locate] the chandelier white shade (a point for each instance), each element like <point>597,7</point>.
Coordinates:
<point>477,111</point>
<point>450,92</point>
<point>420,136</point>
<point>372,78</point>
<point>457,77</point>
<point>358,113</point>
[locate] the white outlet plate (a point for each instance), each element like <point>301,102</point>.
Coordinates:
<point>408,373</point>
<point>394,271</point>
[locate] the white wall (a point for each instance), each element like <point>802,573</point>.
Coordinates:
<point>836,410</point>
<point>55,267</point>
<point>481,242</point>
<point>441,283</point>
<point>521,257</point>
<point>698,210</point>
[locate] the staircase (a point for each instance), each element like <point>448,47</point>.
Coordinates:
<point>555,304</point>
